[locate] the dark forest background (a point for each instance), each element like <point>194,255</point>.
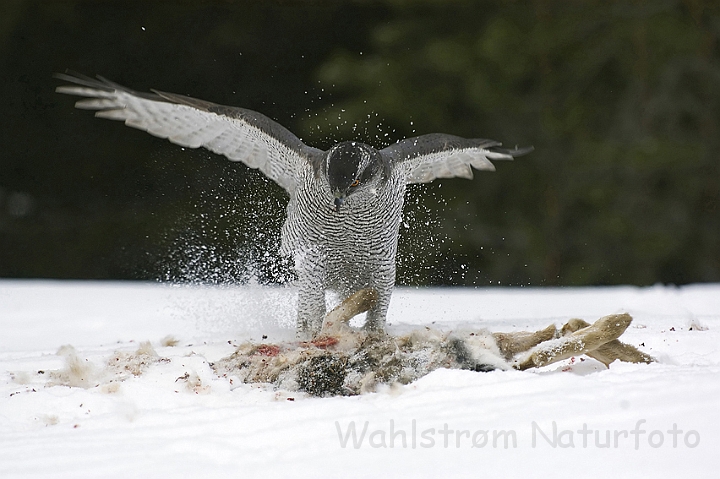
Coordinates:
<point>620,99</point>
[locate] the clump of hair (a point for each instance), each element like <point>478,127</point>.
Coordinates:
<point>123,365</point>
<point>77,372</point>
<point>82,373</point>
<point>323,375</point>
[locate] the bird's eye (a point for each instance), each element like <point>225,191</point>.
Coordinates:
<point>355,183</point>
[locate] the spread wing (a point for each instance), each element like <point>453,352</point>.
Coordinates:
<point>239,134</point>
<point>438,155</point>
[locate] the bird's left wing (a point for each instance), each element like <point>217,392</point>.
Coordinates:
<point>239,134</point>
<point>438,155</point>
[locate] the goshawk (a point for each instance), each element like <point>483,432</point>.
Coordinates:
<point>345,204</point>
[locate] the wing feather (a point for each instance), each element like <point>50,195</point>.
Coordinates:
<point>438,155</point>
<point>239,134</point>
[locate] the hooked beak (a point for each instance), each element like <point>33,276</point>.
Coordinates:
<point>338,203</point>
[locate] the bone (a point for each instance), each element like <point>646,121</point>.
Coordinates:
<point>511,344</point>
<point>359,302</point>
<point>614,350</point>
<point>590,338</point>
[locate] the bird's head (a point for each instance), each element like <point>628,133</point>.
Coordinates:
<point>352,168</point>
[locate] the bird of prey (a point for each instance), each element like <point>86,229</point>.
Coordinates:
<point>345,204</point>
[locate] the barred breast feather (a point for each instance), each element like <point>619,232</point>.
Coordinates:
<point>349,249</point>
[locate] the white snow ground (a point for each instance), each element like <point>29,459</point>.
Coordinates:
<point>178,420</point>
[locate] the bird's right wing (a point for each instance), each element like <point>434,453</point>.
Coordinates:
<point>438,155</point>
<point>239,134</point>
